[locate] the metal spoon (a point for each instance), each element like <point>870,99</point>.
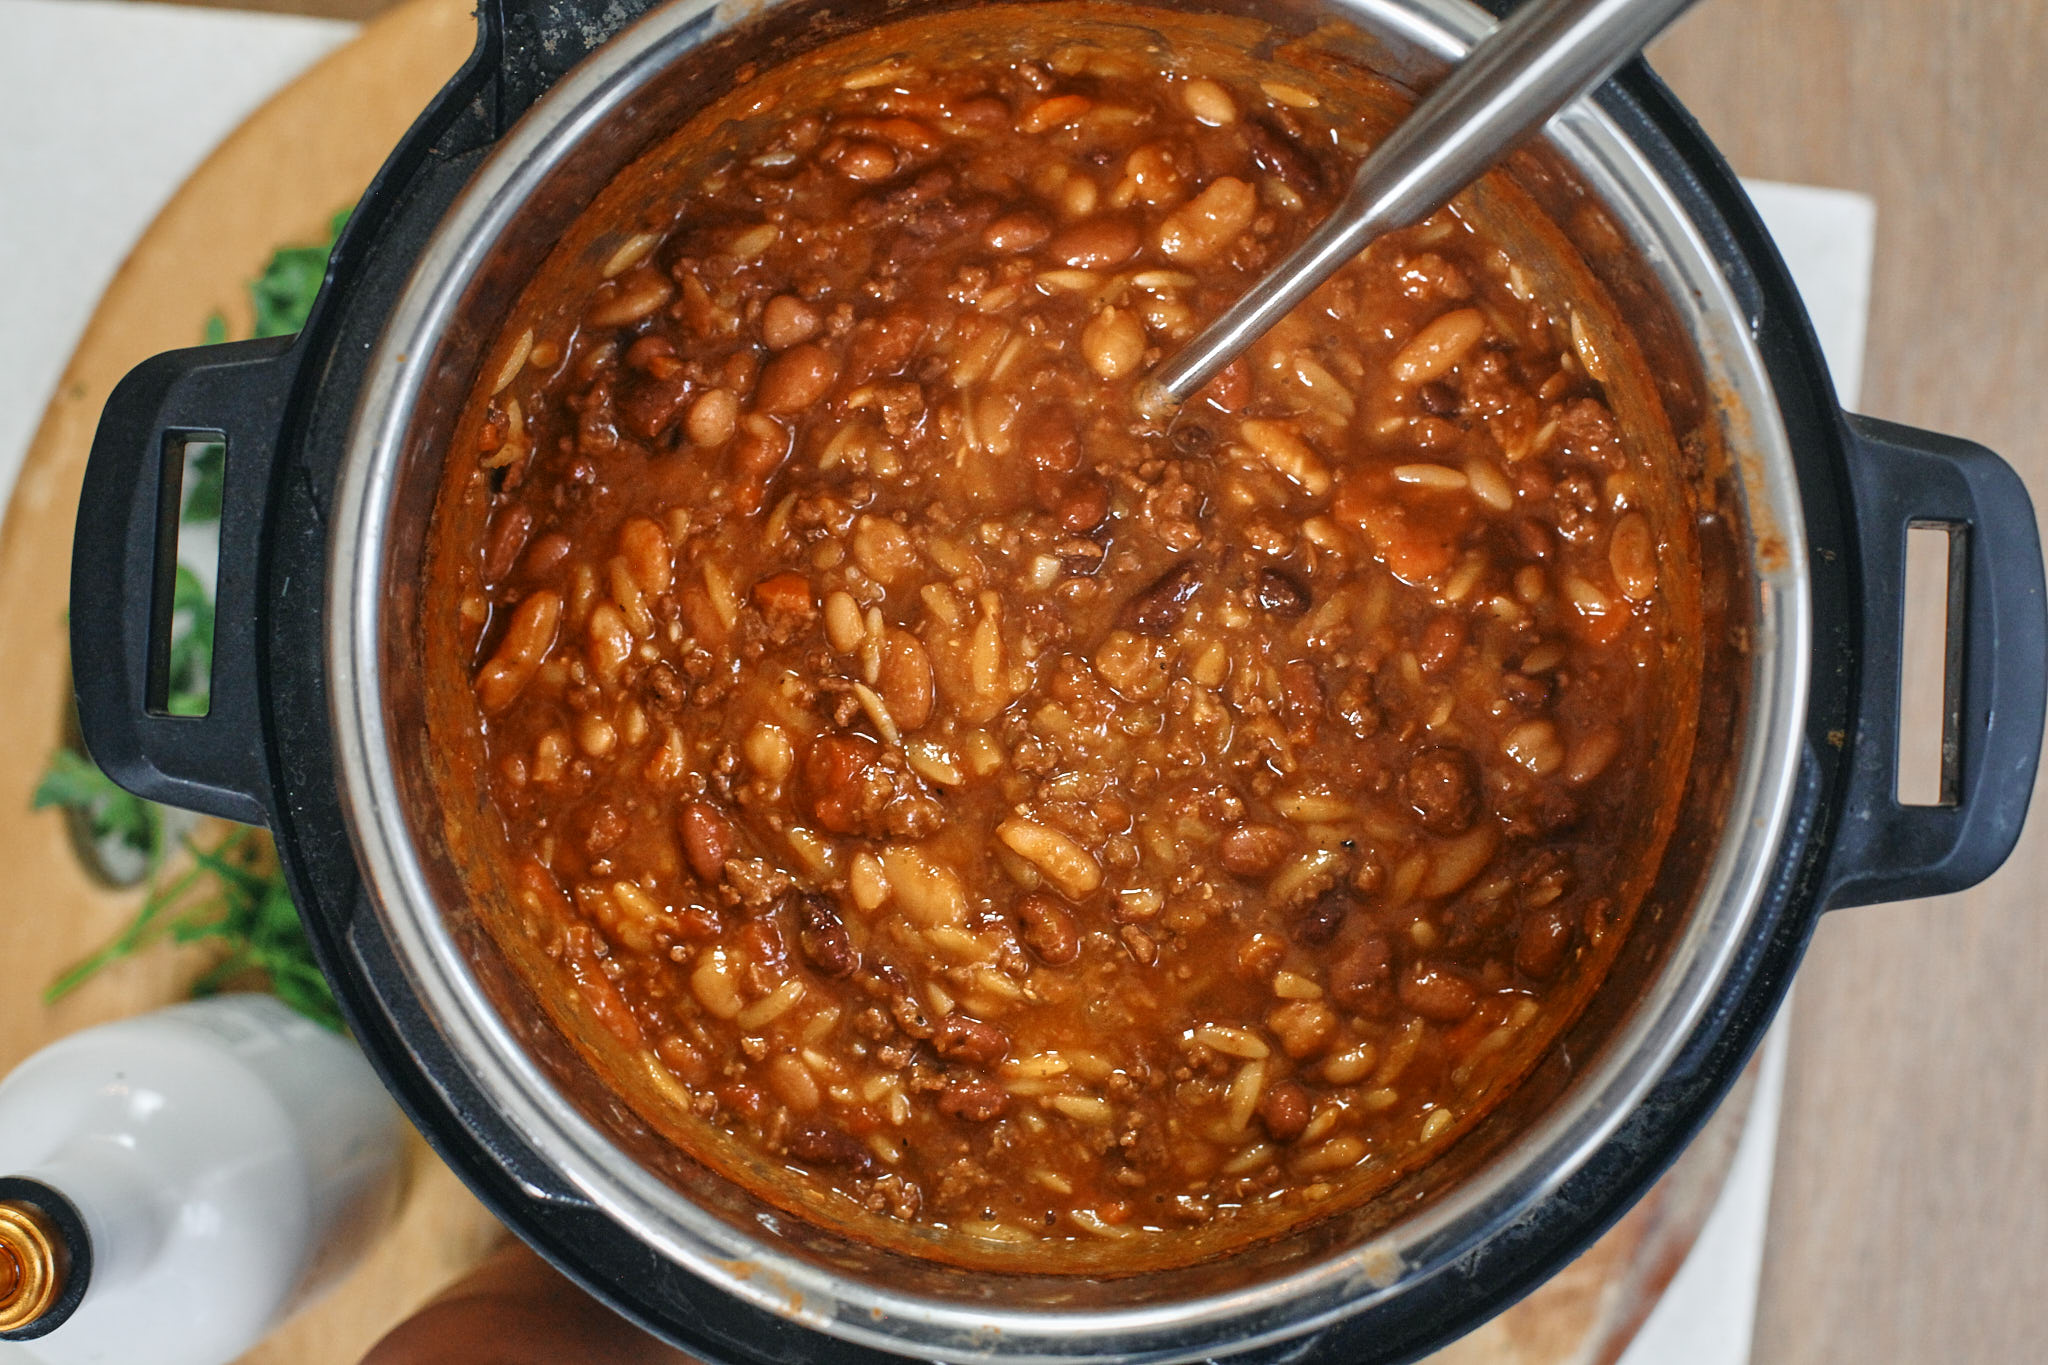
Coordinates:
<point>1541,58</point>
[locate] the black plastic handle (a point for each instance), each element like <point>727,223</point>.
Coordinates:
<point>124,557</point>
<point>1997,675</point>
<point>536,42</point>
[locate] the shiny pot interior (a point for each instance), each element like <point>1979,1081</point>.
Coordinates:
<point>1628,231</point>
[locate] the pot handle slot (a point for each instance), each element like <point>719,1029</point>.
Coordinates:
<point>123,567</point>
<point>1996,666</point>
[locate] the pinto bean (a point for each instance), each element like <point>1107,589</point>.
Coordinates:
<point>1082,508</point>
<point>1281,156</point>
<point>796,379</point>
<point>822,936</point>
<point>1591,753</point>
<point>766,953</point>
<point>712,418</point>
<point>818,1146</point>
<point>1361,979</point>
<point>786,321</point>
<point>1159,608</point>
<point>1541,946</point>
<point>1253,848</point>
<point>973,1099</point>
<point>1113,342</point>
<point>708,839</point>
<point>1535,745</point>
<point>884,550</point>
<point>1319,924</point>
<point>866,161</point>
<point>1051,442</point>
<point>1048,930</point>
<point>505,539</point>
<point>684,1060</point>
<point>1100,243</point>
<point>1437,993</point>
<point>525,647</point>
<point>1014,233</point>
<point>1285,1110</point>
<point>1280,592</point>
<point>647,410</point>
<point>963,1038</point>
<point>544,554</point>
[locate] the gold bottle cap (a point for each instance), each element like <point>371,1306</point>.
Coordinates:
<point>31,1266</point>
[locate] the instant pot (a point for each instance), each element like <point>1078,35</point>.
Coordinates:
<point>335,441</point>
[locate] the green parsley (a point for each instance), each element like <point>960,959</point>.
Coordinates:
<point>74,783</point>
<point>205,467</point>
<point>233,895</point>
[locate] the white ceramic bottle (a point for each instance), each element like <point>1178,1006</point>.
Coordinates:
<point>173,1185</point>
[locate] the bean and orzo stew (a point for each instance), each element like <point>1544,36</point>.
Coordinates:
<point>981,815</point>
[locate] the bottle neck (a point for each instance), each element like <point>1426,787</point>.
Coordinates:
<point>107,1201</point>
<point>45,1259</point>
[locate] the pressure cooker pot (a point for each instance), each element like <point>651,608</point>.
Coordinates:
<point>338,442</point>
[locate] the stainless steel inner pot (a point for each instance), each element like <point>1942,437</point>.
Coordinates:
<point>1595,184</point>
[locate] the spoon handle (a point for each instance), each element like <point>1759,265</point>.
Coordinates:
<point>1543,56</point>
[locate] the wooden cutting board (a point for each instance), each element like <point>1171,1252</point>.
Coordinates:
<point>309,151</point>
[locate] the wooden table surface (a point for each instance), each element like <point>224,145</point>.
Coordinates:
<point>1909,1221</point>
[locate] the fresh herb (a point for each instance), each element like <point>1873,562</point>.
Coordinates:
<point>233,895</point>
<point>74,782</point>
<point>283,294</point>
<point>205,467</point>
<point>191,663</point>
<point>282,299</point>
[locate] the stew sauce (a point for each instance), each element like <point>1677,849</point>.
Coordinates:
<point>986,807</point>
